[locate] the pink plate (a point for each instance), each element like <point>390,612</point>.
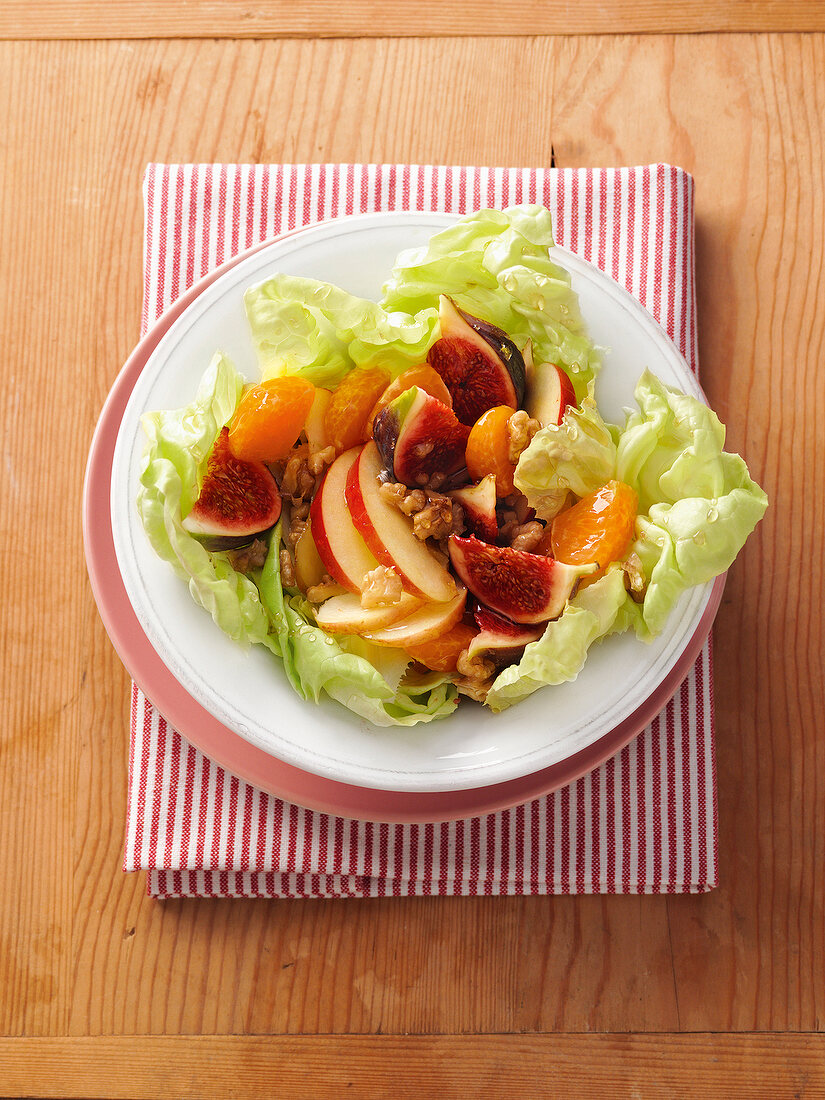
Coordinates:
<point>235,753</point>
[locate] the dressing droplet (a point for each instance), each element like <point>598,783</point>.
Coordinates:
<point>699,538</point>
<point>713,514</point>
<point>509,282</point>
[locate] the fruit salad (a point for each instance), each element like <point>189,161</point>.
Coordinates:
<point>419,501</point>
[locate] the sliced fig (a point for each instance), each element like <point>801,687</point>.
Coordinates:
<point>499,640</point>
<point>238,500</point>
<point>526,588</point>
<point>479,363</point>
<point>478,503</point>
<point>417,435</point>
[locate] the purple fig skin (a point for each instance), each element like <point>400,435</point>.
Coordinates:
<point>524,587</point>
<point>237,500</point>
<point>480,364</point>
<point>417,436</point>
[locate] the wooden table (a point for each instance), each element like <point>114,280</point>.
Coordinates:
<point>105,993</point>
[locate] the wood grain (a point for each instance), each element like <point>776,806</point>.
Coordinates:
<point>65,19</point>
<point>83,952</point>
<point>408,1068</point>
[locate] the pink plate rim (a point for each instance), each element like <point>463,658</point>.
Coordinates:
<point>231,751</point>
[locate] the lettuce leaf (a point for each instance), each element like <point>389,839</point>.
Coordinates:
<point>302,326</point>
<point>495,264</point>
<point>697,503</point>
<point>578,455</point>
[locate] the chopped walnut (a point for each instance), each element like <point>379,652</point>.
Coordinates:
<point>527,536</point>
<point>297,527</point>
<point>434,515</point>
<point>317,593</point>
<point>475,676</point>
<point>287,569</point>
<point>634,578</point>
<point>247,558</point>
<point>297,480</point>
<point>435,520</point>
<point>382,587</point>
<point>408,501</point>
<point>319,460</point>
<point>521,428</point>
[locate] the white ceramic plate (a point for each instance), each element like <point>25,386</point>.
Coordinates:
<point>247,690</point>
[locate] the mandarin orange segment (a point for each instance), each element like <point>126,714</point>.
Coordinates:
<point>269,418</point>
<point>441,654</point>
<point>488,449</point>
<point>598,528</point>
<point>351,404</point>
<point>423,376</point>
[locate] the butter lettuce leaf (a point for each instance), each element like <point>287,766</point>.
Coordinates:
<point>495,264</point>
<point>302,326</point>
<point>697,503</point>
<point>579,455</point>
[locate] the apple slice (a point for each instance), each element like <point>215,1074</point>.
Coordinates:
<point>309,568</point>
<point>345,615</point>
<point>315,427</point>
<point>430,621</point>
<point>549,394</point>
<point>344,553</point>
<point>389,533</point>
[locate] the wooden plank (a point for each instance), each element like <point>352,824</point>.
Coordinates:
<point>408,1067</point>
<point>20,19</point>
<point>81,949</point>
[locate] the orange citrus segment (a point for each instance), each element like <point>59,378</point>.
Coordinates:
<point>441,654</point>
<point>346,416</point>
<point>488,449</point>
<point>424,376</point>
<point>598,528</point>
<point>269,418</point>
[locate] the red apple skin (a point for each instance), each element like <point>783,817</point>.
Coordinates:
<point>340,546</point>
<point>438,584</point>
<point>551,394</point>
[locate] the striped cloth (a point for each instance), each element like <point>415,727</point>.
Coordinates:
<point>645,821</point>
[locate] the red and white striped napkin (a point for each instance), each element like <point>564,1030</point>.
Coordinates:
<point>645,821</point>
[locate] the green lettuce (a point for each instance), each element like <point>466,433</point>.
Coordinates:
<point>697,503</point>
<point>255,609</point>
<point>495,264</point>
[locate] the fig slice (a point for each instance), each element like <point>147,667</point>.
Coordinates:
<point>479,363</point>
<point>500,640</point>
<point>238,500</point>
<point>478,503</point>
<point>524,587</point>
<point>417,435</point>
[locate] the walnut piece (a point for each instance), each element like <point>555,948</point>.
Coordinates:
<point>527,536</point>
<point>434,515</point>
<point>297,480</point>
<point>247,558</point>
<point>521,428</point>
<point>475,675</point>
<point>382,587</point>
<point>319,460</point>
<point>287,568</point>
<point>317,593</point>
